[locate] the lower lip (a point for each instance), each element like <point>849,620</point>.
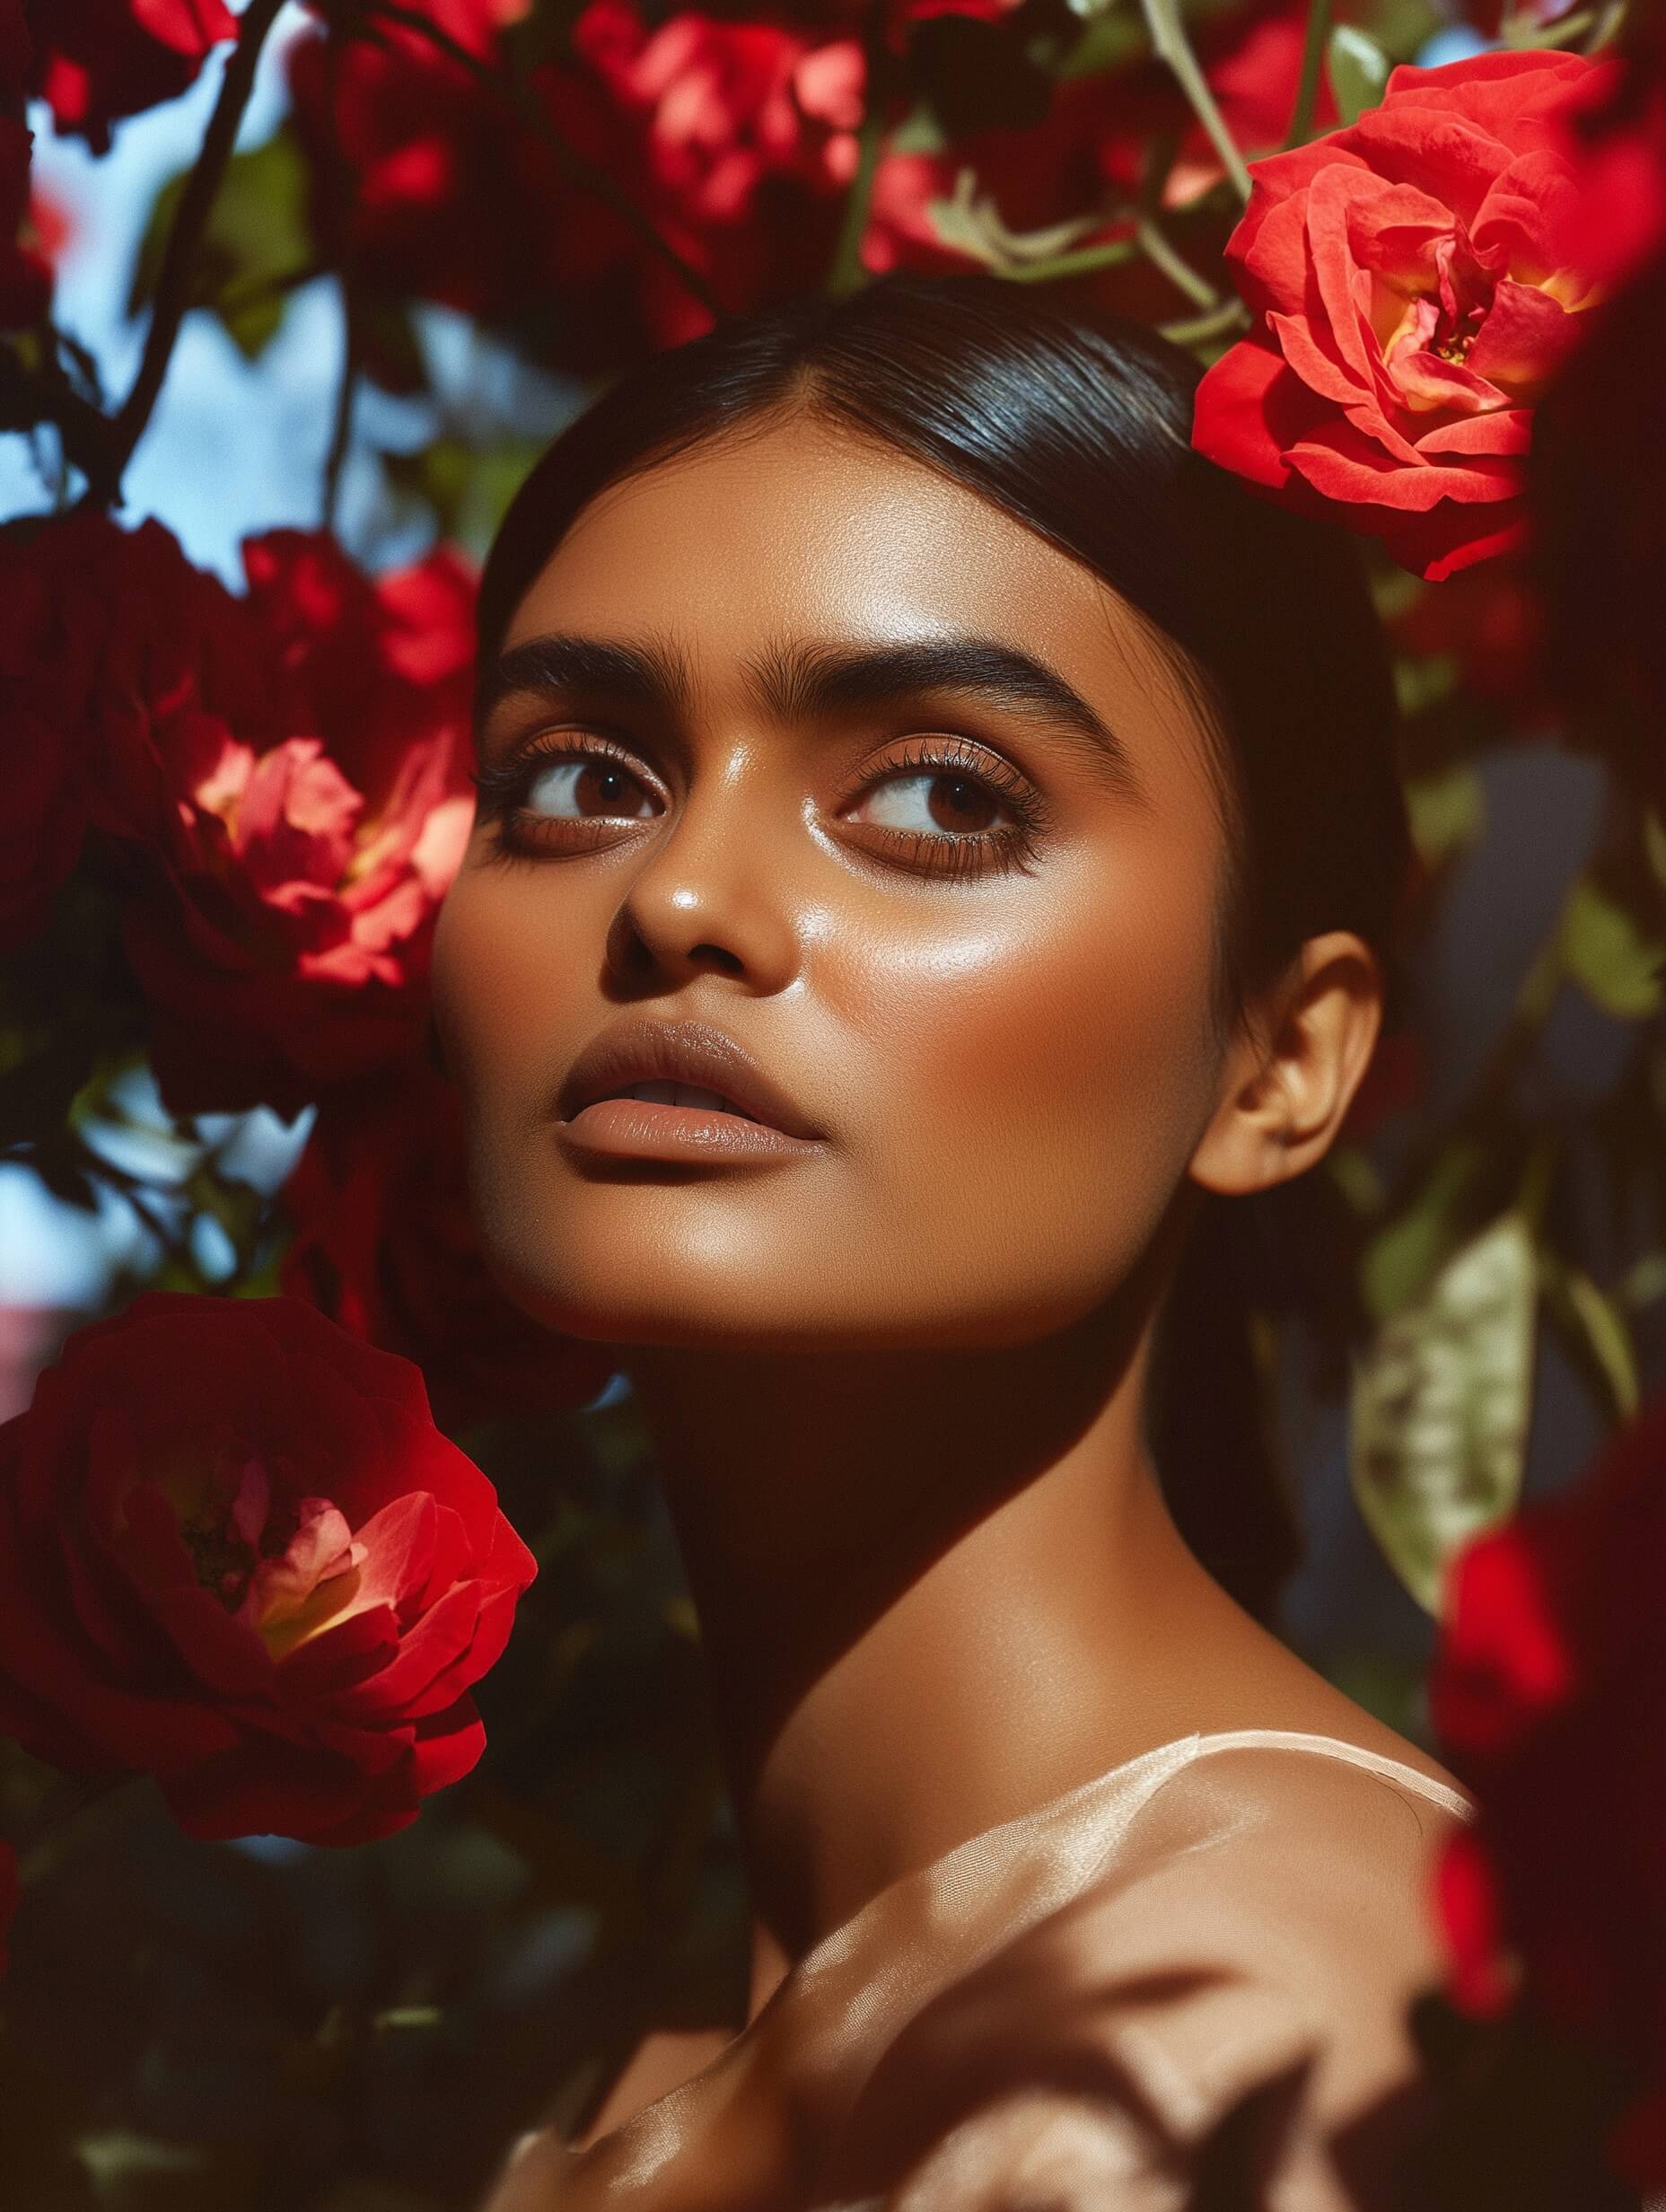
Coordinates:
<point>640,1128</point>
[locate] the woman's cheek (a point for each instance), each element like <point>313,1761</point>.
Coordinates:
<point>1055,1075</point>
<point>502,988</point>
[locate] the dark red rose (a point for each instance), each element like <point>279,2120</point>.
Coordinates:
<point>385,1245</point>
<point>1417,286</point>
<point>283,778</point>
<point>25,273</point>
<point>44,622</point>
<point>433,158</point>
<point>1597,478</point>
<point>238,1555</point>
<point>1548,1696</point>
<point>99,60</point>
<point>1487,622</point>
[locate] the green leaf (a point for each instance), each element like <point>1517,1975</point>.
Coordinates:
<point>256,248</point>
<point>1608,954</point>
<point>408,2016</point>
<point>1654,843</point>
<point>1600,1329</point>
<point>1359,70</point>
<point>1404,1256</point>
<point>1447,811</point>
<point>1441,1408</point>
<point>116,2159</point>
<point>1644,1281</point>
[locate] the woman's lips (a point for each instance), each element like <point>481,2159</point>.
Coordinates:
<point>634,1128</point>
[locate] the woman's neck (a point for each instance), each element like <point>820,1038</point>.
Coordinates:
<point>935,1590</point>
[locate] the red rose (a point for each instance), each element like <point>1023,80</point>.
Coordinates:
<point>1414,289</point>
<point>99,60</point>
<point>385,1244</point>
<point>745,145</point>
<point>1548,1695</point>
<point>238,1555</point>
<point>283,775</point>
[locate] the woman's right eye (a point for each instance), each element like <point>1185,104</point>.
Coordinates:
<point>579,789</point>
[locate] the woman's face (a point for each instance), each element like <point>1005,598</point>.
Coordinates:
<point>848,812</point>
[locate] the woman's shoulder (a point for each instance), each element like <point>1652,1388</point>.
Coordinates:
<point>1252,1944</point>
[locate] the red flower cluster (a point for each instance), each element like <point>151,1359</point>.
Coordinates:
<point>1546,1694</point>
<point>99,60</point>
<point>1417,283</point>
<point>385,1244</point>
<point>735,138</point>
<point>238,1555</point>
<point>25,274</point>
<point>730,137</point>
<point>283,778</point>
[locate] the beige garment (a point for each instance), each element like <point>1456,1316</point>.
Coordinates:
<point>1051,2017</point>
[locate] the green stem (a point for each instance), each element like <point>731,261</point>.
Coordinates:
<point>1082,262</point>
<point>846,272</point>
<point>579,170</point>
<point>345,195</point>
<point>1179,274</point>
<point>1307,84</point>
<point>1168,38</point>
<point>1229,315</point>
<point>178,265</point>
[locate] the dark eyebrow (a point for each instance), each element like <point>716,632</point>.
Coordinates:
<point>648,675</point>
<point>811,679</point>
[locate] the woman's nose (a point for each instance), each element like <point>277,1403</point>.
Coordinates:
<point>716,887</point>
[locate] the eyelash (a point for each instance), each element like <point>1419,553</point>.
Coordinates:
<point>503,786</point>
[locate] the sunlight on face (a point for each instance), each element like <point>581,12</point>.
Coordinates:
<point>966,926</point>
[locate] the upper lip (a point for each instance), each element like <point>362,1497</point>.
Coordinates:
<point>692,1052</point>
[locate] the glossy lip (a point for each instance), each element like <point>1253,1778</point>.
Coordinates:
<point>685,1051</point>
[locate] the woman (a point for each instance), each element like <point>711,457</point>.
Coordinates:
<point>935,834</point>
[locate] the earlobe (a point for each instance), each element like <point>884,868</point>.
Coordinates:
<point>1290,1075</point>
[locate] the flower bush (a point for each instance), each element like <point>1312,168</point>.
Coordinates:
<point>240,1557</point>
<point>239,1551</point>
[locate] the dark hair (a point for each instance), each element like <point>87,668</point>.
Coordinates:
<point>1081,429</point>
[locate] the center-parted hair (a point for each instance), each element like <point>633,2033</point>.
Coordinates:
<point>1081,429</point>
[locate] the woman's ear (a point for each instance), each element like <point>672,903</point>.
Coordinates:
<point>1289,1073</point>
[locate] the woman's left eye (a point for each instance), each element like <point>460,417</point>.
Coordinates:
<point>925,799</point>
